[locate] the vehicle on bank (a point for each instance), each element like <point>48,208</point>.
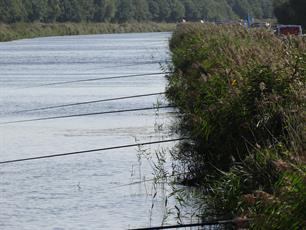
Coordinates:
<point>265,25</point>
<point>287,30</point>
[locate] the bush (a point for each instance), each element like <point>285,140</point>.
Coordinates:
<point>234,88</point>
<point>241,95</point>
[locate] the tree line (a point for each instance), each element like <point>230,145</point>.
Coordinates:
<point>12,11</point>
<point>291,12</point>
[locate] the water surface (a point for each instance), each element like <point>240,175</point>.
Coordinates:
<point>83,191</point>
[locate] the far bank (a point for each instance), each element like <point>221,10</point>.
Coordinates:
<point>9,32</point>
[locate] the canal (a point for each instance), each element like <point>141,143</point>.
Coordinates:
<point>84,191</point>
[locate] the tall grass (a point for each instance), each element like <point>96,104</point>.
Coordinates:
<point>242,97</point>
<point>30,30</point>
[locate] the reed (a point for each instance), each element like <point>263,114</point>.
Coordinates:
<point>31,30</point>
<point>241,94</point>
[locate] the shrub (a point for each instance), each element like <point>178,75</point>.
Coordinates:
<point>234,88</point>
<point>241,96</point>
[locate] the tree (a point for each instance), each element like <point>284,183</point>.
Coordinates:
<point>291,12</point>
<point>53,11</point>
<point>13,11</point>
<point>99,10</point>
<point>164,10</point>
<point>70,11</point>
<point>4,13</point>
<point>38,9</point>
<point>104,10</point>
<point>191,10</point>
<point>126,11</point>
<point>178,10</point>
<point>241,7</point>
<point>154,9</point>
<point>85,9</point>
<point>142,12</point>
<point>110,10</point>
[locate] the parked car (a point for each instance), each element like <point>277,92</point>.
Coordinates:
<point>289,30</point>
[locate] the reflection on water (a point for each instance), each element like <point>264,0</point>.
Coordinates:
<point>82,191</point>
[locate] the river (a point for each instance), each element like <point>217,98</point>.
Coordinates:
<point>86,191</point>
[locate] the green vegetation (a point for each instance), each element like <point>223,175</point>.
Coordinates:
<point>48,11</point>
<point>241,95</point>
<point>32,18</point>
<point>30,30</point>
<point>291,12</point>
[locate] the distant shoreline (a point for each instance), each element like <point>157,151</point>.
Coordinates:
<point>16,31</point>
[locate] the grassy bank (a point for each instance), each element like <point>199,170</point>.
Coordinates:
<point>16,31</point>
<point>241,95</point>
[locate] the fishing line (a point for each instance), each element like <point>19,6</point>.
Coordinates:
<point>96,79</point>
<point>205,223</point>
<point>89,102</point>
<point>90,151</point>
<point>86,114</point>
<point>149,180</point>
<point>81,74</point>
